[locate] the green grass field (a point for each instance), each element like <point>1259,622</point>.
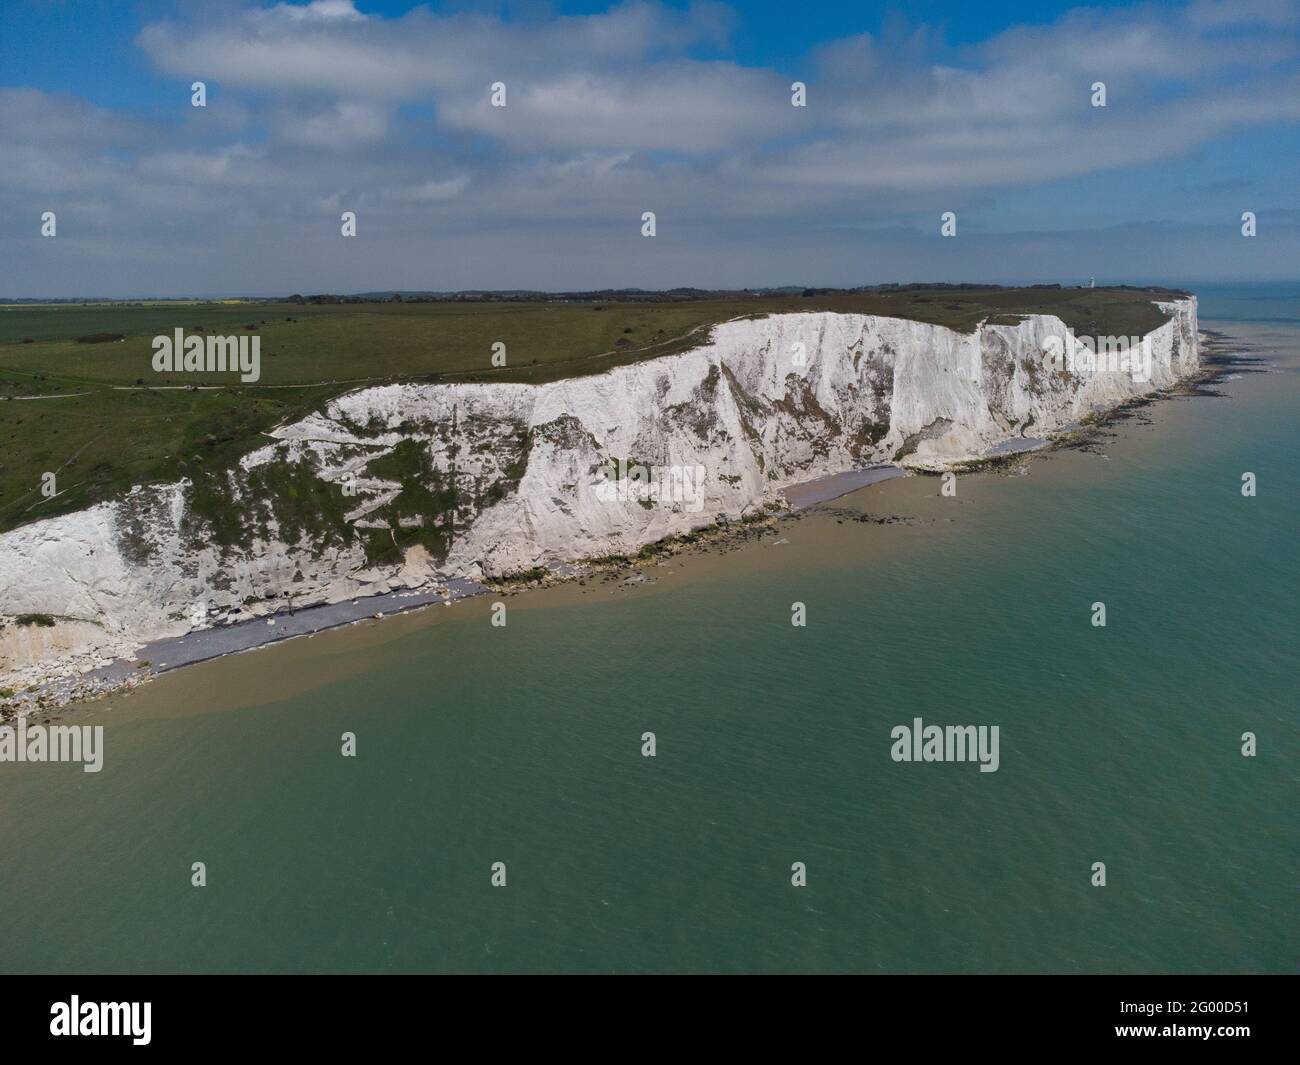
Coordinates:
<point>100,418</point>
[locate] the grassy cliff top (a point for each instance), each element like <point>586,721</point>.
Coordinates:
<point>79,397</point>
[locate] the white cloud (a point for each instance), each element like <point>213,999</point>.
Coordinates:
<point>323,10</point>
<point>341,125</point>
<point>317,108</point>
<point>619,81</point>
<point>237,165</point>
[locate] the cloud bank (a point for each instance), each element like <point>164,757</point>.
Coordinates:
<point>318,108</point>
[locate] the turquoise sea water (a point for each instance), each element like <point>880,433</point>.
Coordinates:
<point>522,744</point>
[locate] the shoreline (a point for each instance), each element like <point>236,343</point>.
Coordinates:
<point>1221,354</point>
<point>204,645</point>
<point>823,489</point>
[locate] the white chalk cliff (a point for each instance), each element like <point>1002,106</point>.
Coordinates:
<point>509,472</point>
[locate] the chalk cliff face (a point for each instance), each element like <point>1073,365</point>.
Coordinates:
<point>403,484</point>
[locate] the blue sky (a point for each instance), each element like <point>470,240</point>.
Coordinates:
<point>684,110</point>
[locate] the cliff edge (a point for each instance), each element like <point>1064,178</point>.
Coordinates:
<point>402,485</point>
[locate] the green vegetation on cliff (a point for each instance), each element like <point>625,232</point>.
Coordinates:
<point>100,419</point>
